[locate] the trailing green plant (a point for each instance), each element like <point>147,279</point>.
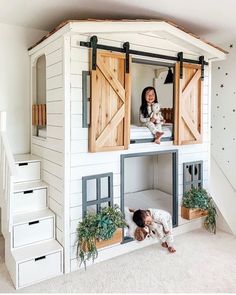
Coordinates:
<point>199,198</point>
<point>210,220</point>
<point>95,227</point>
<point>86,238</point>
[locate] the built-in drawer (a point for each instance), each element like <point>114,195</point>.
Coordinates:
<point>40,268</point>
<point>33,231</point>
<point>29,200</point>
<point>27,171</point>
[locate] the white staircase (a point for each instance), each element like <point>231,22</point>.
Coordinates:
<point>223,194</point>
<point>31,252</point>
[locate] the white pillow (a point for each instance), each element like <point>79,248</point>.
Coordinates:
<point>129,220</point>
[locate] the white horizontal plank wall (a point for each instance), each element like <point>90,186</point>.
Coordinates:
<point>85,164</point>
<point>82,162</point>
<point>51,149</point>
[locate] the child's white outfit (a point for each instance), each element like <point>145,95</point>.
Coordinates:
<point>162,222</point>
<point>153,112</point>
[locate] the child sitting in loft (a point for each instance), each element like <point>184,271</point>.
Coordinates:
<point>157,222</point>
<point>150,113</point>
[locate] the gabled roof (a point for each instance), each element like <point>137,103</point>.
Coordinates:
<point>160,25</point>
<point>195,36</point>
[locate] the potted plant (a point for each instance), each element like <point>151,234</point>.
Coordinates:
<point>197,203</point>
<point>98,230</point>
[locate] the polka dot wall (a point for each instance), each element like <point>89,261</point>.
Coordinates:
<point>223,121</point>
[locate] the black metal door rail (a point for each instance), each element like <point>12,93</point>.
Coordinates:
<point>126,49</point>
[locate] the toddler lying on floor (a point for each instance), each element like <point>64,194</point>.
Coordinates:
<point>154,222</point>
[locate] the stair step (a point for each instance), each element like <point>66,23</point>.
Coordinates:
<point>30,185</point>
<point>31,216</point>
<point>27,168</point>
<point>33,227</point>
<point>37,250</point>
<point>22,158</point>
<point>29,196</point>
<point>37,262</point>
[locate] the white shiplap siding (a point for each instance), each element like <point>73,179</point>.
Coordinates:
<point>84,163</point>
<point>51,149</point>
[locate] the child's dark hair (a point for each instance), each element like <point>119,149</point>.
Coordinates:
<point>143,107</point>
<point>139,217</point>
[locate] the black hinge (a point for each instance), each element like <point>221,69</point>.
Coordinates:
<point>180,59</point>
<point>93,42</point>
<point>202,62</point>
<point>126,47</point>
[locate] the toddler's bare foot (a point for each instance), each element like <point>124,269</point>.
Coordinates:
<point>158,137</point>
<point>164,245</point>
<point>171,249</point>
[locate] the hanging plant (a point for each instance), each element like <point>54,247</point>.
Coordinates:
<point>97,227</point>
<point>210,220</point>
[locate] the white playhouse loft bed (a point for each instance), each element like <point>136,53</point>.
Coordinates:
<point>69,150</point>
<point>99,49</point>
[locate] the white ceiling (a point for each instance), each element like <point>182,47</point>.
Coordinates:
<point>210,19</point>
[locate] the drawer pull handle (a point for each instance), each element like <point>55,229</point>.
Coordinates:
<point>23,164</point>
<point>40,258</point>
<point>28,192</point>
<point>33,222</point>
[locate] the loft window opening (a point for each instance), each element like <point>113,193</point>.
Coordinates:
<point>39,99</point>
<point>159,75</point>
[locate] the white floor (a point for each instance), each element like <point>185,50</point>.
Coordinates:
<point>203,263</point>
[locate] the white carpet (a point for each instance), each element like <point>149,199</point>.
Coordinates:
<point>203,263</point>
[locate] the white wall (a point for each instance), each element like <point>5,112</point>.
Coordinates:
<point>40,90</point>
<point>164,173</point>
<point>164,91</point>
<point>223,130</point>
<point>139,173</point>
<point>148,172</point>
<point>15,82</point>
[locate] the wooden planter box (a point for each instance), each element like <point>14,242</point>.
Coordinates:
<point>117,238</point>
<point>192,213</point>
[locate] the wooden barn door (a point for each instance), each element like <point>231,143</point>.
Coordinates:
<point>188,105</point>
<point>110,104</point>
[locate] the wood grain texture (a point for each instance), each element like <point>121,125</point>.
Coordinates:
<point>188,105</point>
<point>190,213</point>
<point>117,238</point>
<point>39,115</point>
<point>110,103</point>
